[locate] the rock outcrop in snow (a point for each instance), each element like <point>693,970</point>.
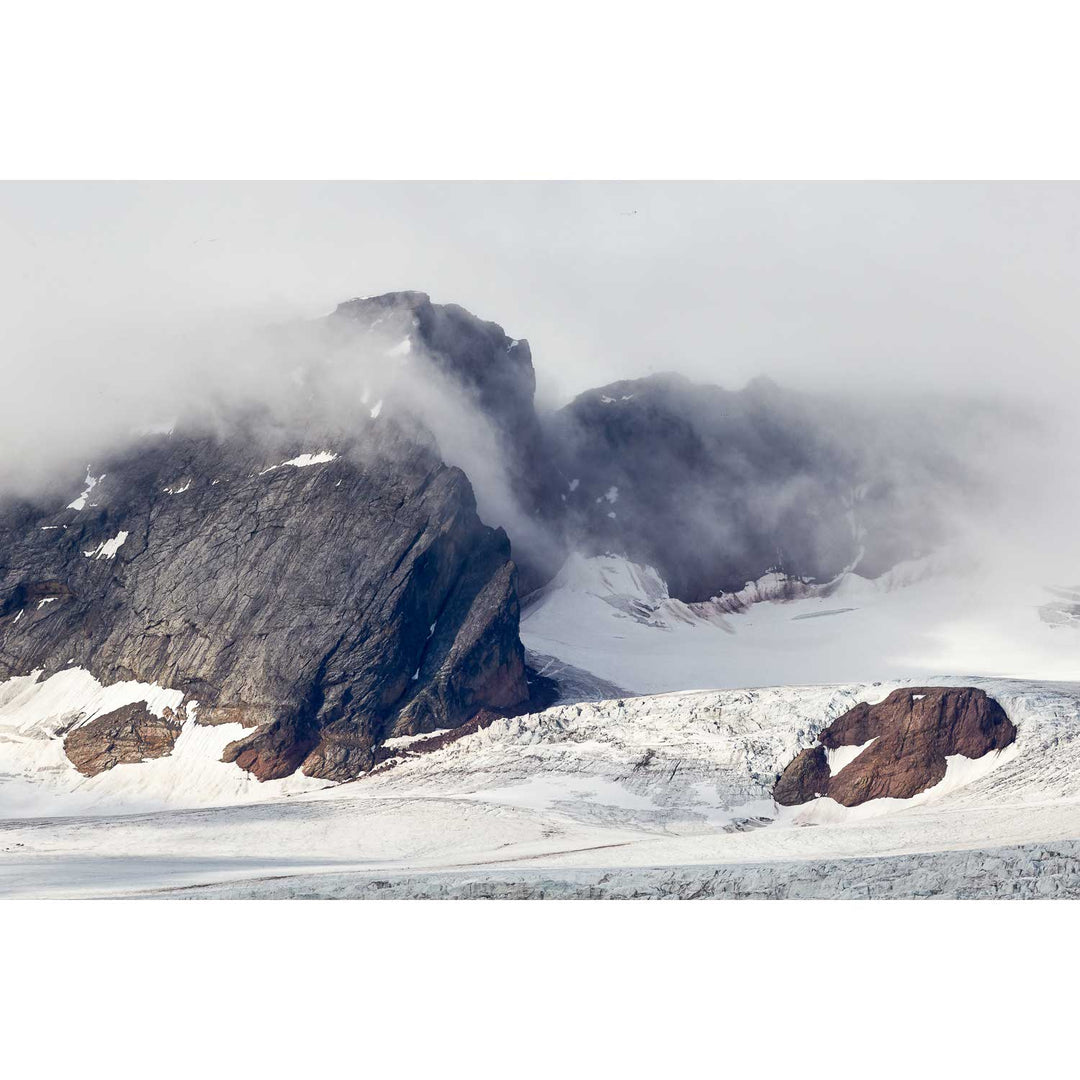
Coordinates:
<point>124,736</point>
<point>896,748</point>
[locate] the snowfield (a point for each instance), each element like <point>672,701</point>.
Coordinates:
<point>624,788</point>
<point>922,619</point>
<point>36,777</point>
<point>661,792</point>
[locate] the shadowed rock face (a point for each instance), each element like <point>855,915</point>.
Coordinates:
<point>496,374</point>
<point>122,737</point>
<point>715,488</point>
<point>804,779</point>
<point>327,607</point>
<point>914,730</point>
<point>493,368</point>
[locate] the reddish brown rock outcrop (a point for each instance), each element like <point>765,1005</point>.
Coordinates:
<point>122,737</point>
<point>914,730</point>
<point>806,777</point>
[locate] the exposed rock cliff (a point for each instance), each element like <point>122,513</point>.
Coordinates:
<point>717,488</point>
<point>495,374</point>
<point>326,598</point>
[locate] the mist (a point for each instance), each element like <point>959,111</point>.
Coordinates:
<point>129,305</point>
<point>962,284</point>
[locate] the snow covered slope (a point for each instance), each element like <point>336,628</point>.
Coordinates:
<point>36,777</point>
<point>705,762</point>
<point>627,779</point>
<point>615,619</point>
<point>674,780</point>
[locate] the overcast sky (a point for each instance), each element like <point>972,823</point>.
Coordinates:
<point>922,286</point>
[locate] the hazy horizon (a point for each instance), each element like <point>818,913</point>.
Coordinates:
<point>852,285</point>
<point>128,301</point>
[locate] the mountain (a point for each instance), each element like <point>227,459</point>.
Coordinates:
<point>740,600</point>
<point>713,488</point>
<point>716,488</point>
<point>494,375</point>
<point>339,564</point>
<point>324,599</point>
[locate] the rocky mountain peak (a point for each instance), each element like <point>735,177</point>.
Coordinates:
<point>478,355</point>
<point>322,596</point>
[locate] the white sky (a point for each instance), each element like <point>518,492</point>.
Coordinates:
<point>953,286</point>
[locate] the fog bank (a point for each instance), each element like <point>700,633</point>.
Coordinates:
<point>127,305</point>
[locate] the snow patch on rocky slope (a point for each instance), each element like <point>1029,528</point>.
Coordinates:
<point>107,549</point>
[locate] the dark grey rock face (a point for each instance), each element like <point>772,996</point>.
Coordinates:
<point>715,488</point>
<point>496,374</point>
<point>495,369</point>
<point>328,607</point>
